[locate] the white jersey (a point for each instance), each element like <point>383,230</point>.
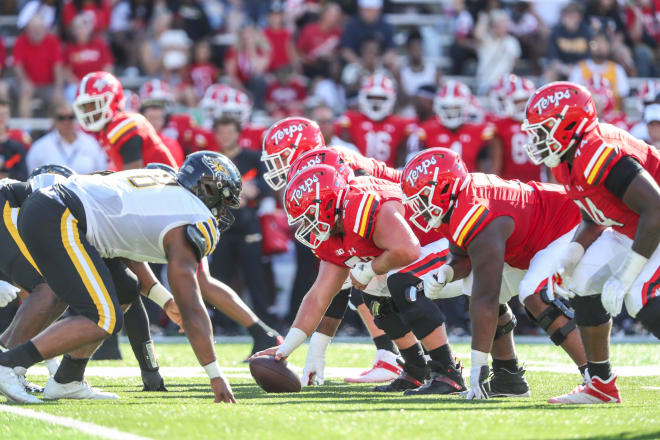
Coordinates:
<point>129,212</point>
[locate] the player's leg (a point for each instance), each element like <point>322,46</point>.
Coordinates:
<point>253,273</point>
<point>643,300</point>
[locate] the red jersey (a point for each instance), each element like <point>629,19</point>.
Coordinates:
<point>599,151</point>
<point>21,136</point>
<point>286,99</point>
<point>85,58</point>
<point>182,128</point>
<point>373,167</point>
<point>202,76</point>
<point>541,211</point>
<point>252,136</point>
<point>126,125</point>
<point>378,139</point>
<point>468,140</point>
<point>515,160</point>
<point>618,119</point>
<point>175,149</point>
<point>38,59</point>
<point>279,40</point>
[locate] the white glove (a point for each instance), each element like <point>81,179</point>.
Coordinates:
<point>618,285</point>
<point>434,284</point>
<point>478,376</point>
<point>8,293</point>
<point>312,374</point>
<point>293,340</point>
<point>564,269</point>
<point>363,273</point>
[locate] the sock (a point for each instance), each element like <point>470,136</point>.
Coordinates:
<point>601,369</point>
<point>136,323</point>
<point>25,355</point>
<point>414,355</point>
<point>383,342</point>
<point>509,364</point>
<point>70,370</point>
<point>260,330</point>
<point>443,355</point>
<point>582,369</point>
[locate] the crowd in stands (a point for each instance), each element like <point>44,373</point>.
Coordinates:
<point>312,57</point>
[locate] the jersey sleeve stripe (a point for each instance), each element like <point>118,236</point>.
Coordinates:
<point>128,129</point>
<point>214,233</point>
<point>593,161</point>
<point>356,227</point>
<point>599,166</point>
<point>119,126</point>
<point>463,222</point>
<point>604,167</point>
<point>205,233</point>
<point>372,217</point>
<point>366,213</point>
<point>472,225</point>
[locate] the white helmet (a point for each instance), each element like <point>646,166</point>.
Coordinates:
<point>377,97</point>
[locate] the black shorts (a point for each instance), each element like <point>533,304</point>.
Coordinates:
<point>16,263</point>
<point>72,267</point>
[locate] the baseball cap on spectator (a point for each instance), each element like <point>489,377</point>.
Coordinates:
<point>370,4</point>
<point>276,7</point>
<point>652,113</point>
<point>175,38</point>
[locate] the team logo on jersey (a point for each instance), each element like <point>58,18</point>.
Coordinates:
<point>219,170</point>
<point>549,100</point>
<point>339,252</point>
<point>286,132</point>
<point>418,170</point>
<point>307,186</point>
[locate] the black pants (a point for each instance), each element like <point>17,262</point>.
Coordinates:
<point>72,267</point>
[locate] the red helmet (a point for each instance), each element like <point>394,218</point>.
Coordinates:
<point>284,142</point>
<point>452,103</point>
<point>313,199</point>
<point>512,93</point>
<point>99,97</point>
<point>556,115</point>
<point>430,184</point>
<point>377,97</point>
<point>221,100</point>
<point>156,93</point>
<point>323,155</point>
<point>131,101</point>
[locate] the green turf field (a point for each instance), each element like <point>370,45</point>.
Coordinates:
<point>338,410</point>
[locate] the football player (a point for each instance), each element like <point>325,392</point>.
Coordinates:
<point>614,255</point>
<point>451,128</point>
<point>128,138</point>
<point>508,98</point>
<point>489,222</point>
<point>373,129</point>
<point>68,228</point>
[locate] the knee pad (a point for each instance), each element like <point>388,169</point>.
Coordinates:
<point>387,319</point>
<point>589,311</point>
<point>357,297</point>
<point>126,283</point>
<point>502,330</point>
<point>337,307</point>
<point>419,313</point>
<point>545,319</point>
<point>649,316</point>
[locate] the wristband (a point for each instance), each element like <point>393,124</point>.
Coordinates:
<point>293,340</point>
<point>630,268</point>
<point>159,294</point>
<point>479,358</point>
<point>365,273</point>
<point>213,370</point>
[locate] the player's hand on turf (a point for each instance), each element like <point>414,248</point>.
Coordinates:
<point>614,291</point>
<point>478,379</point>
<point>173,313</point>
<point>312,374</point>
<point>272,351</point>
<point>8,293</point>
<point>222,390</point>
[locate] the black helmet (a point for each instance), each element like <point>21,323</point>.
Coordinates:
<point>161,166</point>
<point>215,180</point>
<point>62,170</point>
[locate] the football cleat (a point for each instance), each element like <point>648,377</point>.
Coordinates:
<point>13,389</point>
<point>75,390</point>
<point>412,376</point>
<point>505,383</point>
<point>29,386</point>
<point>384,369</point>
<point>152,381</point>
<point>443,380</point>
<point>592,390</point>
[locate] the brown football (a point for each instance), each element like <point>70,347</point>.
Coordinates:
<point>274,376</point>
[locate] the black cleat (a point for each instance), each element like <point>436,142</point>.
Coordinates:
<point>505,383</point>
<point>152,381</point>
<point>413,376</point>
<point>443,380</point>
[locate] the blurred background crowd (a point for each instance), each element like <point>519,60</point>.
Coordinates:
<point>388,77</point>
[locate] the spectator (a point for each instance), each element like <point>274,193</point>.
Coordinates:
<point>47,9</point>
<point>322,115</point>
<point>569,42</point>
<point>241,244</point>
<point>601,64</point>
<point>497,49</point>
<point>369,63</point>
<point>286,94</point>
<point>643,24</point>
<point>330,90</point>
<point>128,29</point>
<point>283,51</point>
<point>12,152</point>
<point>368,25</point>
<point>416,71</point>
<point>463,47</point>
<point>247,62</point>
<point>318,41</point>
<point>652,120</point>
<point>151,49</point>
<point>38,65</point>
<point>84,54</point>
<point>156,113</point>
<point>423,102</point>
<point>528,28</point>
<point>605,17</point>
<point>98,11</point>
<point>67,145</point>
<point>202,72</point>
<point>190,16</point>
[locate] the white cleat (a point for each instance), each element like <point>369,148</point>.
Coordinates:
<point>13,389</point>
<point>29,386</point>
<point>385,369</point>
<point>592,391</point>
<point>75,390</point>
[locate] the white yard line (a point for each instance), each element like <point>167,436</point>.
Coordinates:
<point>87,428</point>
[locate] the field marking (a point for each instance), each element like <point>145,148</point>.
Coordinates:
<point>87,428</point>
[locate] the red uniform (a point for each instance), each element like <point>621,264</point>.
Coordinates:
<point>600,150</point>
<point>21,136</point>
<point>126,125</point>
<point>468,140</point>
<point>182,127</point>
<point>373,167</point>
<point>252,136</point>
<point>378,139</point>
<point>515,160</point>
<point>175,148</point>
<point>541,212</point>
<point>618,119</point>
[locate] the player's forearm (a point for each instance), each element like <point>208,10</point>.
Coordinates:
<point>647,236</point>
<point>394,258</point>
<point>311,311</point>
<point>587,233</point>
<point>484,312</point>
<point>144,274</point>
<point>461,266</point>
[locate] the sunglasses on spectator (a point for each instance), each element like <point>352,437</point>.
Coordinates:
<point>69,117</point>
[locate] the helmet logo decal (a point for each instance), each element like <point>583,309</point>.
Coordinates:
<point>219,170</point>
<point>101,83</point>
<point>553,99</point>
<point>286,131</point>
<point>421,168</point>
<point>305,187</point>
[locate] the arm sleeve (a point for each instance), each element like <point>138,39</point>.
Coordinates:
<point>621,175</point>
<point>131,150</point>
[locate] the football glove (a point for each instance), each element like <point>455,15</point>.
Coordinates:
<point>8,293</point>
<point>564,269</point>
<point>363,273</point>
<point>434,284</point>
<point>618,285</point>
<point>478,376</point>
<point>315,363</point>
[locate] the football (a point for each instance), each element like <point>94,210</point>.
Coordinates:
<point>274,376</point>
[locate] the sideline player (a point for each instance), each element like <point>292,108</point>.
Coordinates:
<point>82,215</point>
<point>614,255</point>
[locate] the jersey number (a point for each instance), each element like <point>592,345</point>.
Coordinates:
<point>146,181</point>
<point>518,152</point>
<point>378,145</point>
<point>351,262</point>
<point>596,214</point>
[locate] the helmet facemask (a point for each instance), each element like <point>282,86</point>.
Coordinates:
<point>312,231</point>
<point>277,167</point>
<point>93,112</point>
<point>218,198</point>
<point>426,215</point>
<point>452,112</point>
